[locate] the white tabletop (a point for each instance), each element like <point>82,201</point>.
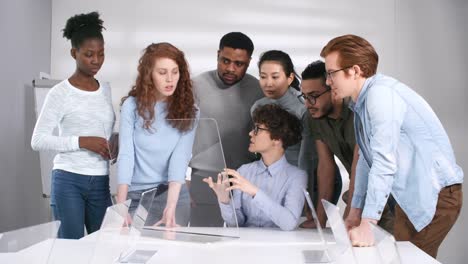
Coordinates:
<point>255,245</point>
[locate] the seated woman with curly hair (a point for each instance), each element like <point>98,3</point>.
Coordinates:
<point>267,192</point>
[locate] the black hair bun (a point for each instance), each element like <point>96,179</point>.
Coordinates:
<point>90,21</point>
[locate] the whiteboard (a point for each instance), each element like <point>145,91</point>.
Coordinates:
<point>41,89</point>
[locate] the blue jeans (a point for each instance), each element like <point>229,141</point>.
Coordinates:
<point>79,200</point>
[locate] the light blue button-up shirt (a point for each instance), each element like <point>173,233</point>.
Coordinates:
<point>279,199</point>
<point>404,150</point>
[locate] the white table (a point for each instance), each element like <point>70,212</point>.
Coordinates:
<point>255,245</point>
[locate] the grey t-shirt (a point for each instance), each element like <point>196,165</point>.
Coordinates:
<point>230,106</point>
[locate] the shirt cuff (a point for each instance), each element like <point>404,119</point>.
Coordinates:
<point>227,212</point>
<point>224,206</point>
<point>372,211</point>
<point>75,143</point>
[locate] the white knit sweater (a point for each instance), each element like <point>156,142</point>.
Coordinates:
<point>75,113</point>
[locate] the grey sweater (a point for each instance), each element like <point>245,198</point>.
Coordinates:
<point>230,107</point>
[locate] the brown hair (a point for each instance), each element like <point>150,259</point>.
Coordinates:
<point>282,125</point>
<point>353,50</point>
<point>180,105</point>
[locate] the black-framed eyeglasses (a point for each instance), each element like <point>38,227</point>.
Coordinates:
<point>256,128</point>
<point>312,98</point>
<point>329,75</point>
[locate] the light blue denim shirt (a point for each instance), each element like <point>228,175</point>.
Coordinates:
<point>278,202</point>
<point>404,150</point>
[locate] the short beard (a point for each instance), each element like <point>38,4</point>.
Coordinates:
<point>326,112</point>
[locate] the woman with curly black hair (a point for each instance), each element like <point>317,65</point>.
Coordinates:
<point>267,192</point>
<point>81,108</point>
<point>157,131</point>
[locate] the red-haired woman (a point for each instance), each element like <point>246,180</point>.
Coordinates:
<point>157,130</point>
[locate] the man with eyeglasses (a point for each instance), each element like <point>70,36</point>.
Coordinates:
<point>332,128</point>
<point>267,192</point>
<point>404,150</point>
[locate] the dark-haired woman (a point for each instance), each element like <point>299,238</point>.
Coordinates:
<point>267,192</point>
<point>81,108</point>
<point>157,131</point>
<point>280,85</point>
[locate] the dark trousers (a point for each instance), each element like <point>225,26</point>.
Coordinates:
<point>429,239</point>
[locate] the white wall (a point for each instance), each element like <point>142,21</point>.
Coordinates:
<point>420,42</point>
<point>25,50</point>
<point>432,58</point>
<point>300,28</point>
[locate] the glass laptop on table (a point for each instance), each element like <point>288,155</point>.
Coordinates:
<point>316,255</point>
<point>342,251</point>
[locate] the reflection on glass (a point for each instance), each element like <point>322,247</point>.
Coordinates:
<point>20,239</point>
<point>197,215</point>
<point>141,214</point>
<point>207,161</point>
<point>114,236</point>
<point>386,245</point>
<point>16,240</point>
<point>137,256</point>
<point>319,255</point>
<point>116,217</point>
<point>343,249</point>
